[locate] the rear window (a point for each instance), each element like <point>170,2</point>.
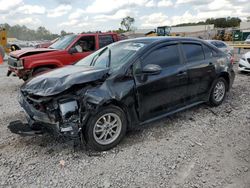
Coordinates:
<point>218,44</point>
<point>209,52</point>
<point>105,40</point>
<point>193,52</point>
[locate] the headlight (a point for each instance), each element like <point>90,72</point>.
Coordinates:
<point>19,63</point>
<point>243,58</point>
<point>68,108</point>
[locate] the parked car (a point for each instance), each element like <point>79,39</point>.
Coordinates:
<point>248,39</point>
<point>67,50</point>
<point>244,63</point>
<point>46,44</point>
<point>222,46</point>
<point>125,85</point>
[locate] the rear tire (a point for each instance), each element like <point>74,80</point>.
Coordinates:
<point>218,92</point>
<point>110,121</point>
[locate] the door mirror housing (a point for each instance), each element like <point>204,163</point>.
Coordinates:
<point>72,50</point>
<point>152,69</point>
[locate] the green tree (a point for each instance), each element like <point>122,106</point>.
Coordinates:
<point>127,23</point>
<point>63,33</point>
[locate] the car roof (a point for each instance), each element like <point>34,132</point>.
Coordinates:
<point>94,34</point>
<point>215,41</point>
<point>163,39</point>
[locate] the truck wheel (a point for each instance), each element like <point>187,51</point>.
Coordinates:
<point>41,70</point>
<point>2,52</point>
<point>105,129</point>
<point>218,92</point>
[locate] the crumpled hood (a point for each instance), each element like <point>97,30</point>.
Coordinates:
<point>59,80</point>
<point>30,51</point>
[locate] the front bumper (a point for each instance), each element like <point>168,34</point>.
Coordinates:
<point>38,118</point>
<point>15,67</point>
<point>244,65</point>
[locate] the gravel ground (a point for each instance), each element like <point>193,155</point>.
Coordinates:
<point>201,147</point>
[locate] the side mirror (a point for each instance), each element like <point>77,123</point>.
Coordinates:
<point>152,69</point>
<point>72,50</point>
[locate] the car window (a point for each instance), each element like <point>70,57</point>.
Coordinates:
<point>165,57</point>
<point>218,44</point>
<point>221,45</point>
<point>193,52</point>
<point>85,44</point>
<point>105,40</point>
<point>208,52</point>
<point>63,42</point>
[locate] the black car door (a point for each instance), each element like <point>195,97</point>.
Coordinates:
<point>163,92</point>
<point>201,70</point>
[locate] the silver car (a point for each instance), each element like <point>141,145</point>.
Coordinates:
<point>222,46</point>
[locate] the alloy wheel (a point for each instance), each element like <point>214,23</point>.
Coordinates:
<point>219,91</point>
<point>107,128</point>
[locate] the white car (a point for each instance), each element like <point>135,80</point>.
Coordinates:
<point>222,46</point>
<point>244,63</point>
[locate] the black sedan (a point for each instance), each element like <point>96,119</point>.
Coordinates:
<point>122,86</point>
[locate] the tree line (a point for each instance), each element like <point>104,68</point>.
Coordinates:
<point>218,22</point>
<point>41,33</point>
<point>24,33</point>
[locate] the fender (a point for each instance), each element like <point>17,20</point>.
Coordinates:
<point>43,63</point>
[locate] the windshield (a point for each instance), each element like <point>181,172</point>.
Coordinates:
<point>63,42</point>
<point>248,37</point>
<point>113,56</point>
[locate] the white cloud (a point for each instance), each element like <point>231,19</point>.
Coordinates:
<point>59,11</point>
<point>193,2</point>
<point>150,3</point>
<point>165,3</point>
<point>31,9</point>
<point>7,5</point>
<point>118,15</point>
<point>155,20</point>
<point>78,13</point>
<point>28,21</point>
<point>107,6</point>
<point>75,22</point>
<point>69,23</point>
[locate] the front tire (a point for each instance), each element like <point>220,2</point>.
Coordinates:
<point>218,92</point>
<point>40,70</point>
<point>105,129</point>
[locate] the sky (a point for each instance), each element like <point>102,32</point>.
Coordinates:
<point>103,15</point>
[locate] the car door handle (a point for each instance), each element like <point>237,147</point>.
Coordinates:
<point>181,73</point>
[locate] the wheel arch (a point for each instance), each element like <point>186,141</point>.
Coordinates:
<point>52,66</point>
<point>122,106</point>
<point>225,75</point>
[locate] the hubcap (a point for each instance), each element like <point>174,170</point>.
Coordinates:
<point>107,128</point>
<point>219,91</point>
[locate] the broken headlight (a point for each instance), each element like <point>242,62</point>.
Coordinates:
<point>68,109</point>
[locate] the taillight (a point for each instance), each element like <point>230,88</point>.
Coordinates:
<point>232,60</point>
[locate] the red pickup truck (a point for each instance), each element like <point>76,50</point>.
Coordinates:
<point>67,50</point>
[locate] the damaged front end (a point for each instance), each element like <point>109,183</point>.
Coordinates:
<point>58,115</point>
<point>56,103</point>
